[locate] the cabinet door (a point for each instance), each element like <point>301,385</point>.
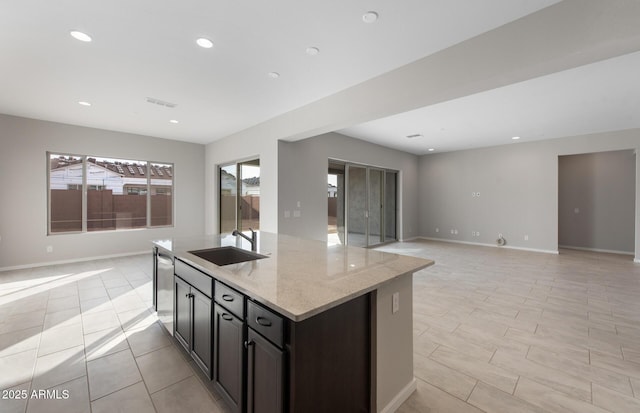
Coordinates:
<point>228,357</point>
<point>265,378</point>
<point>182,313</point>
<point>202,318</point>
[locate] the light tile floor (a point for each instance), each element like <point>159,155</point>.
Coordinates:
<point>86,333</point>
<point>495,330</point>
<point>500,330</point>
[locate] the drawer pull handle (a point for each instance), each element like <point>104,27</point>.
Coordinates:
<point>248,343</point>
<point>265,322</point>
<point>227,317</point>
<point>189,295</point>
<point>227,297</point>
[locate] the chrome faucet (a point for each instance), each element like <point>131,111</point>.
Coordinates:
<point>253,240</point>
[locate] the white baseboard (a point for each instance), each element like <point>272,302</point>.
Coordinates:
<point>401,397</point>
<point>70,261</point>
<point>571,247</point>
<point>636,260</point>
<point>510,247</point>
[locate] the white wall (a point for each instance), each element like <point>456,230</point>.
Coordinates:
<point>518,187</point>
<point>596,201</point>
<point>23,179</point>
<point>302,177</point>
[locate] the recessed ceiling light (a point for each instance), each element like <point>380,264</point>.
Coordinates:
<point>204,42</point>
<point>515,138</point>
<point>312,51</point>
<point>83,37</point>
<point>431,149</point>
<point>273,75</point>
<point>415,135</point>
<point>173,121</point>
<point>83,103</point>
<point>370,17</point>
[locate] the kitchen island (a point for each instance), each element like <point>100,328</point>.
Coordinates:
<point>307,327</point>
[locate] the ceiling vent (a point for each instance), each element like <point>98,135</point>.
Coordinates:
<point>415,135</point>
<point>161,102</point>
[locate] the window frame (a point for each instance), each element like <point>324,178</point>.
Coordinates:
<point>85,189</point>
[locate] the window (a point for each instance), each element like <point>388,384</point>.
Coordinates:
<point>119,194</point>
<point>160,192</point>
<point>65,193</point>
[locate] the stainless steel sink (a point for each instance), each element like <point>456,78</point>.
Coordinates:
<point>227,255</point>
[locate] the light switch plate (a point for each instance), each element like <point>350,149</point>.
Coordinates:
<point>395,303</point>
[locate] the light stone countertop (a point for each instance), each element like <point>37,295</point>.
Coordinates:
<point>300,277</point>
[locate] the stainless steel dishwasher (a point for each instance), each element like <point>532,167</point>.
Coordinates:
<point>165,285</point>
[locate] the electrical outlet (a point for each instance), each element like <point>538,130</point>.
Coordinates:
<point>395,303</point>
<point>526,238</point>
<point>49,248</point>
<point>437,229</point>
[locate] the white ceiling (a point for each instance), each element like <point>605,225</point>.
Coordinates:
<point>146,48</point>
<point>598,97</point>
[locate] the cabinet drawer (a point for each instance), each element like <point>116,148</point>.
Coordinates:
<point>230,299</point>
<point>196,278</point>
<point>266,322</point>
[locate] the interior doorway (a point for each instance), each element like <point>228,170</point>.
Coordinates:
<point>596,201</point>
<point>362,204</point>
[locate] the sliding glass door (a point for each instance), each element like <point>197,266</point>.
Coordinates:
<point>228,197</point>
<point>357,206</point>
<point>376,206</point>
<point>240,196</point>
<point>369,202</point>
<point>390,205</point>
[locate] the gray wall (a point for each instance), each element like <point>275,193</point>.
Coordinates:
<point>302,177</point>
<point>23,179</point>
<point>518,186</point>
<point>596,201</point>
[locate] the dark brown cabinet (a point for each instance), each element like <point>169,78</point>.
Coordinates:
<point>193,316</point>
<point>201,330</point>
<point>265,375</point>
<point>229,357</point>
<point>265,360</point>
<point>262,362</point>
<point>182,313</point>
